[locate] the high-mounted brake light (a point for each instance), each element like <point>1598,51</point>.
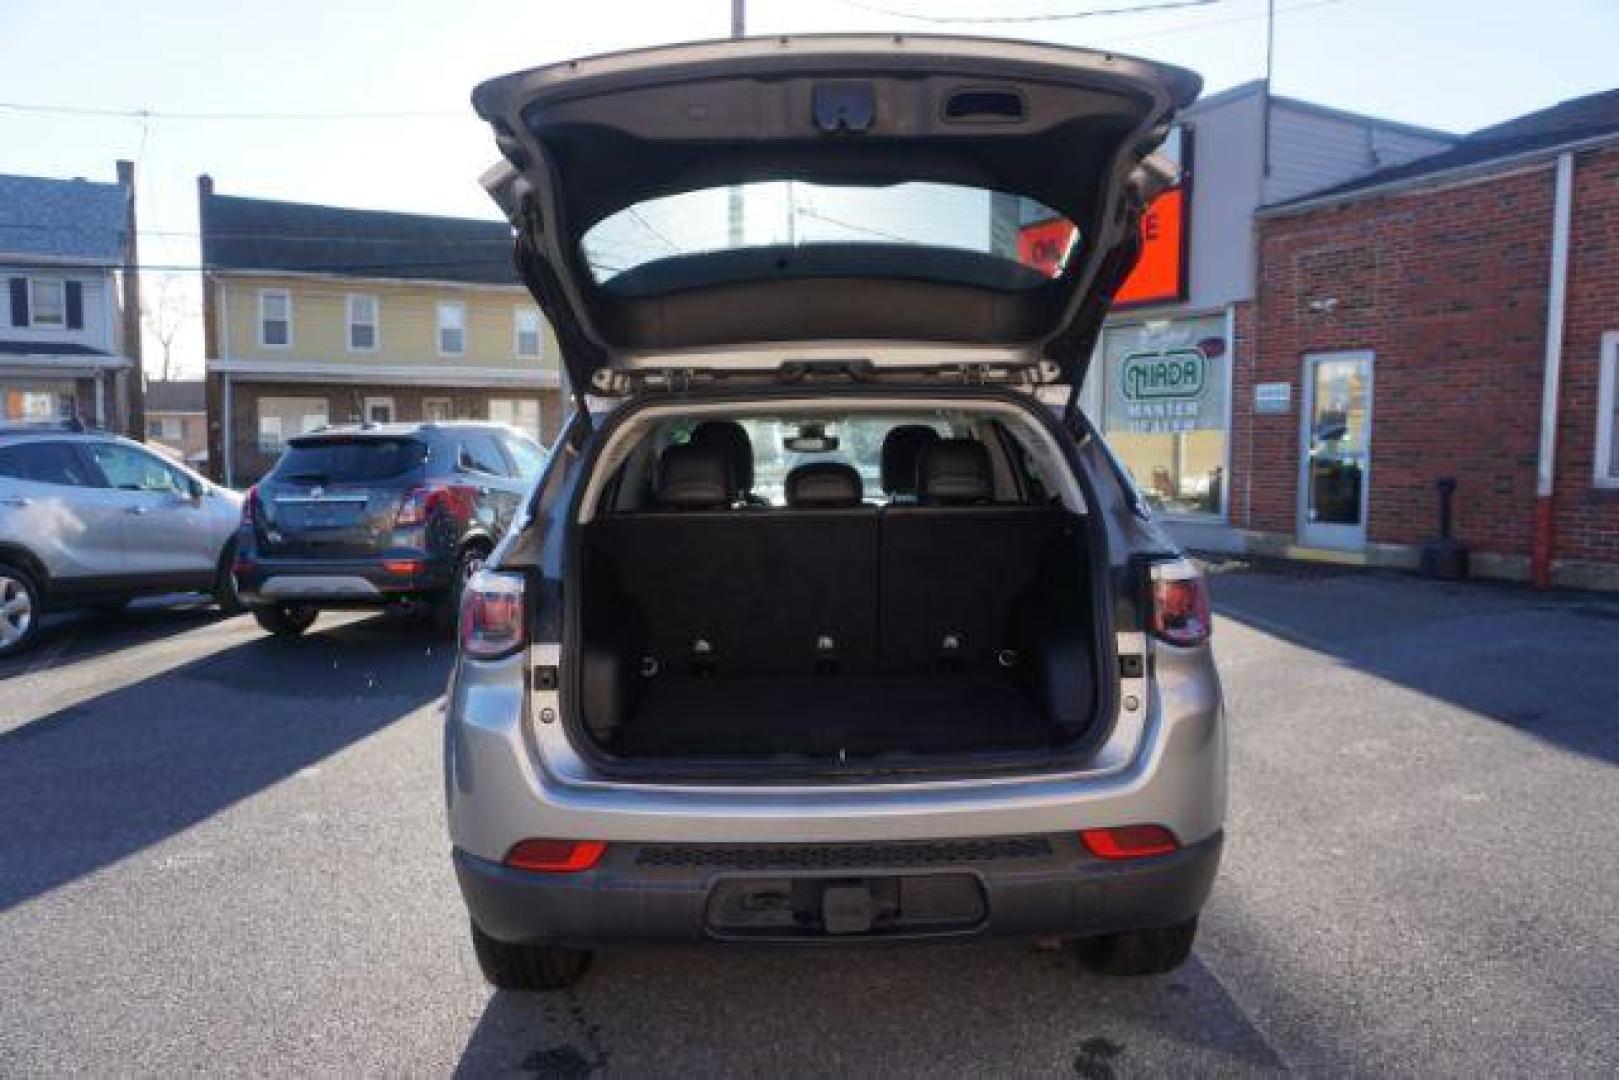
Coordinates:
<point>492,623</point>
<point>1180,603</point>
<point>1129,841</point>
<point>555,856</point>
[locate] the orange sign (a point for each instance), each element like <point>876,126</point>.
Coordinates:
<point>1161,274</point>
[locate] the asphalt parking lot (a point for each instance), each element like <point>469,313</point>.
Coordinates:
<point>225,854</point>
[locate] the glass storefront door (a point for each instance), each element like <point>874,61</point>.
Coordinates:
<point>1336,450</point>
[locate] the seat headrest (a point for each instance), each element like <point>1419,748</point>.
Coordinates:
<point>692,477</point>
<point>902,452</point>
<point>731,439</point>
<point>823,484</point>
<point>955,471</point>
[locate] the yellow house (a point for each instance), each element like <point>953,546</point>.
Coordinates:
<point>322,315</point>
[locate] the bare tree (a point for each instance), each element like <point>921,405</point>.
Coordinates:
<point>166,305</point>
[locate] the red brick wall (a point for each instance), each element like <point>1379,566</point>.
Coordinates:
<point>1448,289</point>
<point>1586,518</point>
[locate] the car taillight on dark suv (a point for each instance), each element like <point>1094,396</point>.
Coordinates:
<point>492,622</point>
<point>421,500</point>
<point>1179,610</point>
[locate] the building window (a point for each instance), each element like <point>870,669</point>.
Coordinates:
<point>275,318</point>
<point>1162,391</point>
<point>362,323</point>
<point>1606,472</point>
<point>452,329</point>
<point>280,418</point>
<point>521,413</point>
<point>168,428</point>
<point>436,410</point>
<point>47,302</point>
<point>526,330</point>
<point>379,410</point>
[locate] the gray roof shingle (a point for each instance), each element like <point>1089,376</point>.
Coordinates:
<point>264,234</point>
<point>62,219</point>
<point>1592,116</point>
<point>176,395</point>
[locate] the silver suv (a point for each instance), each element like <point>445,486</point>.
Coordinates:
<point>91,519</point>
<point>832,618</point>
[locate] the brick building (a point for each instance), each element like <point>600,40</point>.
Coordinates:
<point>1456,316</point>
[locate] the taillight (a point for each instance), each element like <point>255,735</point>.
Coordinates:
<point>1129,841</point>
<point>422,499</point>
<point>555,856</point>
<point>250,506</point>
<point>492,623</point>
<point>1180,603</point>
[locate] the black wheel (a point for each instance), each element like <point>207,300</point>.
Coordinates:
<point>446,611</point>
<point>19,609</point>
<point>226,594</point>
<point>286,620</point>
<point>528,967</point>
<point>1139,952</point>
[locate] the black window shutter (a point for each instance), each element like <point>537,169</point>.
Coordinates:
<point>75,305</point>
<point>19,301</point>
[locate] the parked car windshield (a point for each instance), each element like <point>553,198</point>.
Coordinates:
<point>348,461</point>
<point>798,214</point>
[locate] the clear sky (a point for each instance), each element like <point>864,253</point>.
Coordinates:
<point>1452,64</point>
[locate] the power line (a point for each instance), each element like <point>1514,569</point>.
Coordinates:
<point>1204,24</point>
<point>1061,16</point>
<point>90,112</point>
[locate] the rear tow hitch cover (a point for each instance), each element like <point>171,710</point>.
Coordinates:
<point>847,909</point>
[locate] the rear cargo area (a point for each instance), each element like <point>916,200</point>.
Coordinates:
<point>835,635</point>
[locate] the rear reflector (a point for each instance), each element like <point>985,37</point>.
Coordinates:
<point>402,566</point>
<point>555,856</point>
<point>1129,841</point>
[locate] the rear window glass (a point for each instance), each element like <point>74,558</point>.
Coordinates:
<point>793,213</point>
<point>340,461</point>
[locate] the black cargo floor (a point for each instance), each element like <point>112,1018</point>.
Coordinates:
<point>823,715</point>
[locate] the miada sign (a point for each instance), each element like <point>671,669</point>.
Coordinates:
<point>1172,375</point>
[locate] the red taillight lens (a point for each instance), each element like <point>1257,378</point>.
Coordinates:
<point>250,506</point>
<point>415,506</point>
<point>402,566</point>
<point>1129,841</point>
<point>555,856</point>
<point>1180,603</point>
<point>420,502</point>
<point>492,623</point>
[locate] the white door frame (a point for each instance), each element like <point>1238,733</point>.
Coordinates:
<point>1310,534</point>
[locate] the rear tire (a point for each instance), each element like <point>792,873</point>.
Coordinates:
<point>20,607</point>
<point>1139,952</point>
<point>528,967</point>
<point>226,595</point>
<point>446,610</point>
<point>286,621</point>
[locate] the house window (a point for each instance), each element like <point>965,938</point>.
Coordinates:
<point>379,410</point>
<point>436,410</point>
<point>1607,448</point>
<point>280,418</point>
<point>521,413</point>
<point>48,302</point>
<point>362,323</point>
<point>526,328</point>
<point>164,428</point>
<point>452,329</point>
<point>275,318</point>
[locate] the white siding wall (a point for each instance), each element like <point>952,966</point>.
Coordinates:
<point>1310,151</point>
<point>1227,157</point>
<point>100,309</point>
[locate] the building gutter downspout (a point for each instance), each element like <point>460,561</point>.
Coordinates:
<point>1542,541</point>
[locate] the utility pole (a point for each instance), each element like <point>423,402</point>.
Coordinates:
<point>1270,53</point>
<point>739,21</point>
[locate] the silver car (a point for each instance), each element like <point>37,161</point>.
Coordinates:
<point>832,619</point>
<point>92,519</point>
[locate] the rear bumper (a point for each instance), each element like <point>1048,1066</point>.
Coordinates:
<point>341,582</point>
<point>1027,886</point>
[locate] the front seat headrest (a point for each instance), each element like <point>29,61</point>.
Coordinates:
<point>824,485</point>
<point>902,452</point>
<point>955,471</point>
<point>692,477</point>
<point>731,439</point>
